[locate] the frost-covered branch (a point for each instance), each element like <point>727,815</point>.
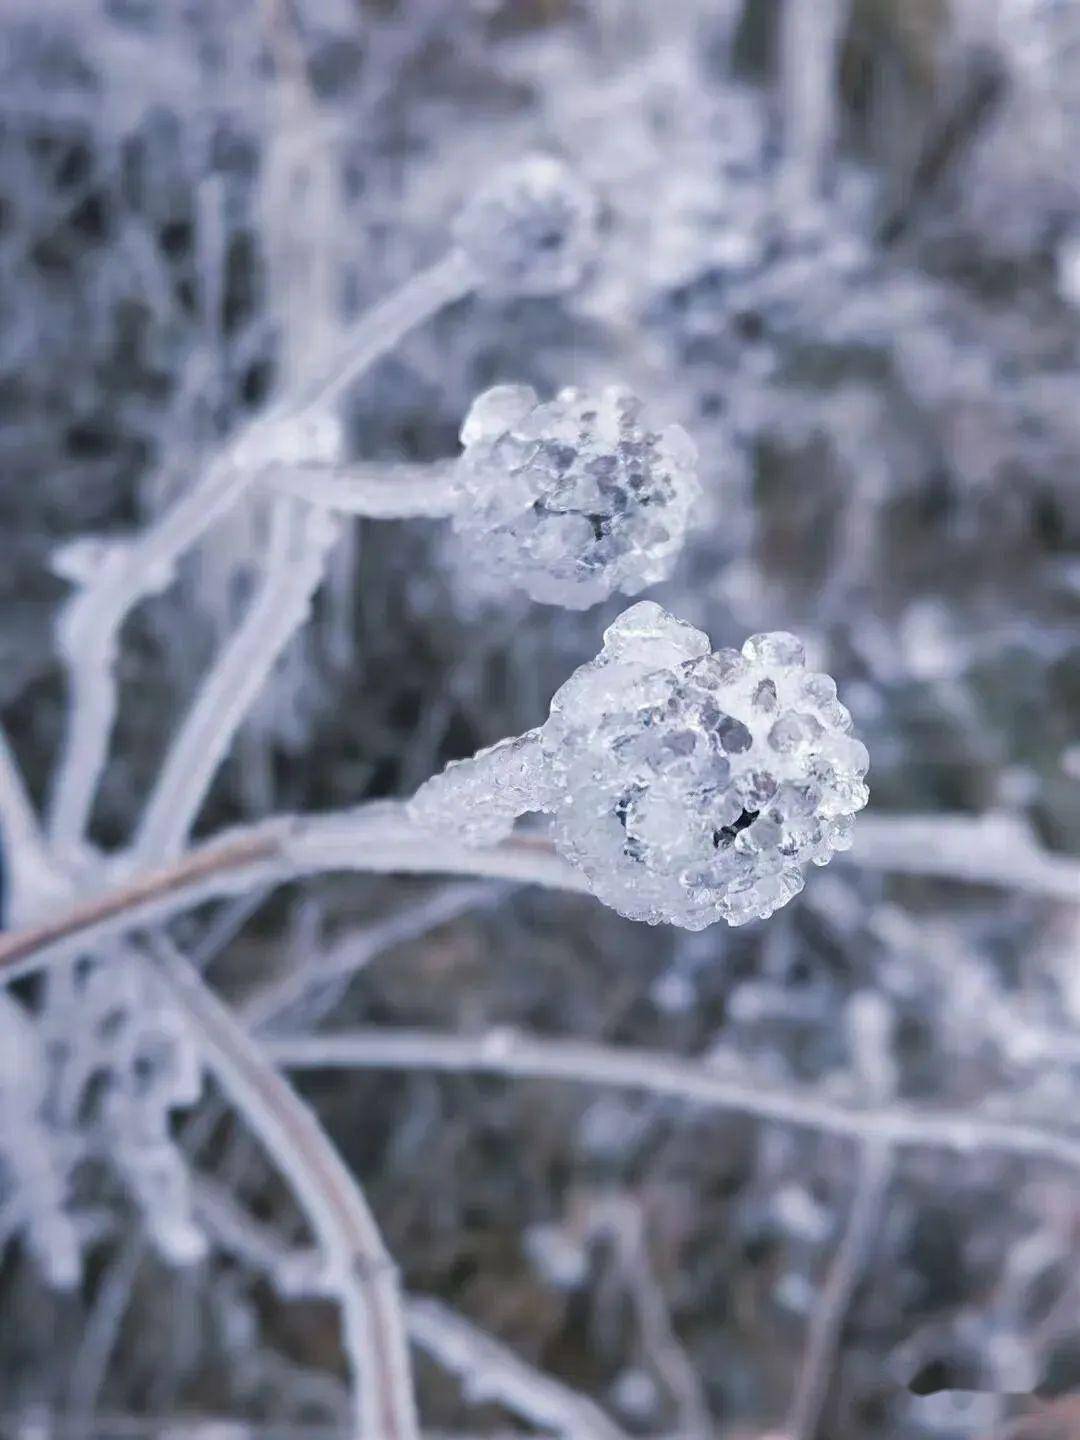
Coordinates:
<point>294,569</point>
<point>359,1270</point>
<point>381,839</point>
<point>379,492</point>
<point>512,1053</point>
<point>492,1372</point>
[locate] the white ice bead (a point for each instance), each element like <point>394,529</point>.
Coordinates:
<point>575,498</point>
<point>530,229</point>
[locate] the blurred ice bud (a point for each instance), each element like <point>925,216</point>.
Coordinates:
<point>530,229</point>
<point>687,786</point>
<point>309,438</point>
<point>576,498</point>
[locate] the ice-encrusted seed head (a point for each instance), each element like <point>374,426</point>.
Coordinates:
<point>692,786</point>
<point>530,229</point>
<point>576,498</point>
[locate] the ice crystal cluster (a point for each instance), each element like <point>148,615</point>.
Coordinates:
<point>688,785</point>
<point>530,229</point>
<point>574,498</point>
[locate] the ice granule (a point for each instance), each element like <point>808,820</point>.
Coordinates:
<point>687,785</point>
<point>575,498</point>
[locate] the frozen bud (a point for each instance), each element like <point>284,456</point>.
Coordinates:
<point>688,786</point>
<point>530,229</point>
<point>694,786</point>
<point>304,439</point>
<point>576,498</point>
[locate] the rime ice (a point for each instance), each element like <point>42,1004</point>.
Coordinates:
<point>576,498</point>
<point>531,229</point>
<point>687,785</point>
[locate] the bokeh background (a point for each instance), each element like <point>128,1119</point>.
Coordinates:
<point>842,248</point>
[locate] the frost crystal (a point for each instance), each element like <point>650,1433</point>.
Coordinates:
<point>689,786</point>
<point>576,498</point>
<point>531,229</point>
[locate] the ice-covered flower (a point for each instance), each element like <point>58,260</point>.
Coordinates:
<point>575,498</point>
<point>687,785</point>
<point>530,229</point>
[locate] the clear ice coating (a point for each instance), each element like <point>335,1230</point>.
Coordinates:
<point>576,498</point>
<point>687,785</point>
<point>531,229</point>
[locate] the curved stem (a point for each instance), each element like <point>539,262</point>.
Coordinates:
<point>379,492</point>
<point>381,838</point>
<point>381,328</point>
<point>92,619</point>
<point>360,1271</point>
<point>88,634</point>
<point>294,570</point>
<point>513,1053</point>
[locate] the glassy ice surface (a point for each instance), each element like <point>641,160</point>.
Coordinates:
<point>574,498</point>
<point>689,785</point>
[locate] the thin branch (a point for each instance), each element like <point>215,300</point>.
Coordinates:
<point>826,1325</point>
<point>512,1053</point>
<point>997,850</point>
<point>24,853</point>
<point>493,1372</point>
<point>294,570</point>
<point>359,1269</point>
<point>379,839</point>
<point>341,961</point>
<point>371,839</point>
<point>379,492</point>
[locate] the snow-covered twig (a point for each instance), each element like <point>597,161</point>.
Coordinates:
<point>294,568</point>
<point>359,1270</point>
<point>512,1053</point>
<point>380,839</point>
<point>492,1372</point>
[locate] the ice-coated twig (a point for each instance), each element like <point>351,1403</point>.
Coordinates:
<point>298,546</point>
<point>826,1323</point>
<point>492,1372</point>
<point>381,839</point>
<point>377,838</point>
<point>355,951</point>
<point>997,850</point>
<point>810,37</point>
<point>513,1053</point>
<point>489,1370</point>
<point>359,1270</point>
<point>102,1326</point>
<point>89,627</point>
<point>379,492</point>
<point>26,863</point>
<point>530,229</point>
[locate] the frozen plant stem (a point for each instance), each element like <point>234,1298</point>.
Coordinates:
<point>492,1372</point>
<point>22,845</point>
<point>359,1270</point>
<point>514,1053</point>
<point>380,839</point>
<point>378,492</point>
<point>92,620</point>
<point>826,1324</point>
<point>295,564</point>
